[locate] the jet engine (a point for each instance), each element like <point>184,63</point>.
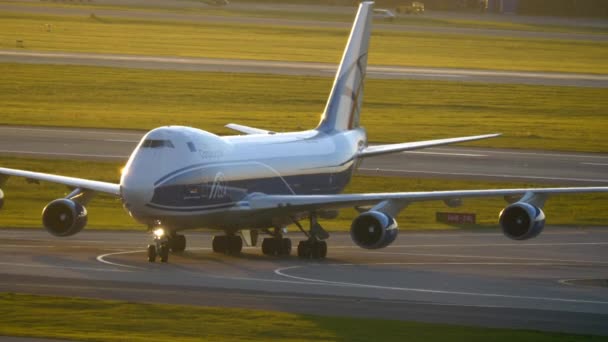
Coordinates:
<point>373,230</point>
<point>522,221</point>
<point>64,217</point>
<point>1,199</point>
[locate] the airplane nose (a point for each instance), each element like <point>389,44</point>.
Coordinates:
<point>136,191</point>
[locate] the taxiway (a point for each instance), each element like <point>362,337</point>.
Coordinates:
<point>468,278</point>
<point>563,168</point>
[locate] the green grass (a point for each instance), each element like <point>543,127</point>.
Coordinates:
<point>104,320</point>
<point>279,12</point>
<point>540,117</point>
<point>24,202</point>
<point>312,44</point>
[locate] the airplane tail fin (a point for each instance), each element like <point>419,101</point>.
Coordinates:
<point>343,107</point>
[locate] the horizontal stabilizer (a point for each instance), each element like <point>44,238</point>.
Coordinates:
<point>247,129</point>
<point>392,148</point>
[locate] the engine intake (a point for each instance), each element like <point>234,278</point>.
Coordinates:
<point>64,217</point>
<point>522,221</point>
<point>373,230</point>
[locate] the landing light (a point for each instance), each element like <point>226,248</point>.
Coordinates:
<point>160,232</point>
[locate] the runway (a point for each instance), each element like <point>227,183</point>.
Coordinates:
<point>562,168</point>
<point>300,68</point>
<point>469,278</point>
<point>163,15</point>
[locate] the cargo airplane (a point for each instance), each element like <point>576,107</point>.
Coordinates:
<point>260,181</point>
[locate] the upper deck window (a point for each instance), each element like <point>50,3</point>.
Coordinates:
<point>151,143</point>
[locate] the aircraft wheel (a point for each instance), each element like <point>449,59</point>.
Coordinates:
<point>235,244</point>
<point>151,253</point>
<point>178,243</point>
<point>285,246</point>
<point>268,246</point>
<point>322,249</point>
<point>164,252</point>
<point>219,243</point>
<point>304,251</point>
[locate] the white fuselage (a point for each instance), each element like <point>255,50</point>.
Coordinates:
<point>183,177</point>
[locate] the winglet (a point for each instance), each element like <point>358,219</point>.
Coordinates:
<point>343,107</point>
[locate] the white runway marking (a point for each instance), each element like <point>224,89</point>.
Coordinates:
<point>541,154</point>
<point>62,267</point>
<point>121,140</point>
<point>446,154</point>
<point>58,130</point>
<point>596,164</point>
<point>101,258</point>
<point>487,175</point>
<point>281,272</point>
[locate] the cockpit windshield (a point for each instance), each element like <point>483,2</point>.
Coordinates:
<point>152,143</point>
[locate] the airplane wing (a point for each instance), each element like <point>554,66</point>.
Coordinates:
<point>392,148</point>
<point>85,184</point>
<point>247,129</point>
<point>307,203</point>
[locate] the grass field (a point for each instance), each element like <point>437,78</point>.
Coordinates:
<point>540,117</point>
<point>103,320</point>
<point>24,202</point>
<point>338,16</point>
<point>267,42</point>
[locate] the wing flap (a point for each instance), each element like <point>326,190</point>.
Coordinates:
<point>392,148</point>
<point>108,188</point>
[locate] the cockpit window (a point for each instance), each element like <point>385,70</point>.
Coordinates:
<point>191,147</point>
<point>151,143</point>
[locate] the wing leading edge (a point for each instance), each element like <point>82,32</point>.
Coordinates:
<point>306,203</point>
<point>409,146</point>
<point>97,186</point>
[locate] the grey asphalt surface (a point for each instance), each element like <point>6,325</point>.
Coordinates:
<point>148,14</point>
<point>562,168</point>
<point>469,278</point>
<point>300,68</point>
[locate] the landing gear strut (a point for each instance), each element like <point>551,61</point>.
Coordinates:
<point>228,244</point>
<point>314,247</point>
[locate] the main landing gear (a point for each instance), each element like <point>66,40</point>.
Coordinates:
<point>315,246</point>
<point>277,244</point>
<point>163,243</point>
<point>228,244</point>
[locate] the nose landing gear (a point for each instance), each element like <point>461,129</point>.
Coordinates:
<point>163,243</point>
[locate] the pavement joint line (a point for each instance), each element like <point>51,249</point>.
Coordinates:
<point>494,257</point>
<point>281,272</point>
<point>484,175</point>
<point>523,244</point>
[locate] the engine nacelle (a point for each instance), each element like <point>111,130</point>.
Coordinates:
<point>373,230</point>
<point>64,217</point>
<point>1,199</point>
<point>522,221</point>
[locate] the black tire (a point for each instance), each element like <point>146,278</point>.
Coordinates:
<point>322,249</point>
<point>164,253</point>
<point>235,244</point>
<point>219,244</point>
<point>268,246</point>
<point>178,244</point>
<point>304,250</point>
<point>285,246</point>
<point>315,251</point>
<point>151,253</point>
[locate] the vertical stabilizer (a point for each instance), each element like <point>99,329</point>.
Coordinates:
<point>343,107</point>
